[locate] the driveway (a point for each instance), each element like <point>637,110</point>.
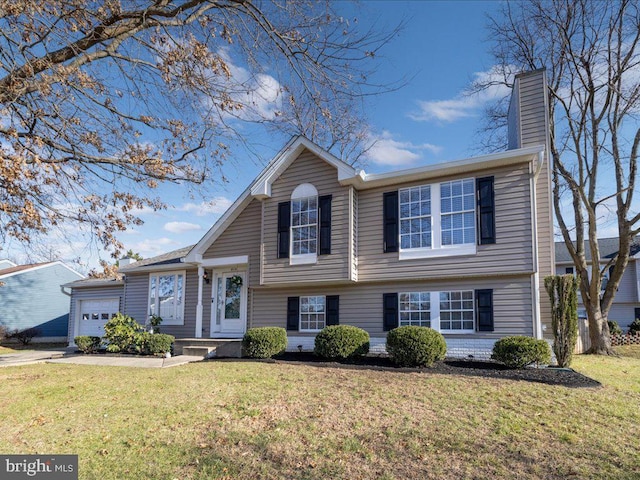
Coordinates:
<point>59,356</point>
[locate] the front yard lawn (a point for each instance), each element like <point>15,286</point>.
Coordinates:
<point>252,420</point>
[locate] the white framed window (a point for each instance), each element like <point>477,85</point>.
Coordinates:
<point>458,211</point>
<point>313,317</point>
<point>457,311</point>
<point>304,224</point>
<point>166,296</point>
<point>438,219</point>
<point>415,309</point>
<point>415,217</point>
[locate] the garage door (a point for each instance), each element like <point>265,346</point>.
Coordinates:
<point>95,313</point>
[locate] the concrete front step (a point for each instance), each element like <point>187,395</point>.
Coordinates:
<point>197,351</point>
<point>208,347</point>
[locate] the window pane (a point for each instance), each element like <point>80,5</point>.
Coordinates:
<point>456,310</point>
<point>312,313</point>
<point>415,309</point>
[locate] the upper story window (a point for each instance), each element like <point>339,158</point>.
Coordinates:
<point>304,226</point>
<point>166,297</point>
<point>457,200</point>
<point>434,220</point>
<point>415,217</point>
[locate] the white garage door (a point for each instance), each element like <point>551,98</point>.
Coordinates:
<point>95,313</point>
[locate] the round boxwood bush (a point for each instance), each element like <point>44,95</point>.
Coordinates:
<point>87,344</point>
<point>520,351</point>
<point>411,346</point>
<point>264,342</point>
<point>154,343</point>
<point>339,342</point>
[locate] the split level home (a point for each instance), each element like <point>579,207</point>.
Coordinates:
<point>461,247</point>
<point>626,304</point>
<point>30,297</point>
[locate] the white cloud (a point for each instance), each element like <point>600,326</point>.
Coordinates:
<point>154,246</point>
<point>181,227</point>
<point>465,104</point>
<point>259,94</point>
<point>385,150</point>
<point>216,206</point>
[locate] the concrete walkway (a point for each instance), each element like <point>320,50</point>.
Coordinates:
<point>30,356</point>
<point>58,356</point>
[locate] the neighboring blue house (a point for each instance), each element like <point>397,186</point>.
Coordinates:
<point>31,296</point>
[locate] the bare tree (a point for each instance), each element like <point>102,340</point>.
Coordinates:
<point>590,52</point>
<point>102,100</point>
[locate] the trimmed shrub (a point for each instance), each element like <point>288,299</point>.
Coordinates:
<point>121,332</point>
<point>635,326</point>
<point>412,346</point>
<point>264,342</point>
<point>87,344</point>
<point>520,351</point>
<point>614,328</point>
<point>154,343</point>
<point>563,293</point>
<point>340,342</point>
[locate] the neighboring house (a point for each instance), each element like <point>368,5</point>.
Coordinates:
<point>31,298</point>
<point>4,263</point>
<point>461,247</point>
<point>626,304</point>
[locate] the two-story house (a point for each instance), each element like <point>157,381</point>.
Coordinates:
<point>461,247</point>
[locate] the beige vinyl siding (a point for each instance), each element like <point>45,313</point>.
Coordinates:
<point>534,131</point>
<point>307,168</point>
<point>512,252</point>
<point>361,305</point>
<point>136,302</point>
<point>354,239</point>
<point>91,293</point>
<point>242,237</point>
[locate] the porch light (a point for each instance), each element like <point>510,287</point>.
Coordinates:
<point>206,277</point>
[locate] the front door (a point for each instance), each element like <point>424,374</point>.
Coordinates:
<point>229,317</point>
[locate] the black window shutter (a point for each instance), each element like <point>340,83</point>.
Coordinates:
<point>324,214</point>
<point>486,211</point>
<point>293,313</point>
<point>484,310</point>
<point>284,222</point>
<point>333,310</point>
<point>390,304</point>
<point>390,222</point>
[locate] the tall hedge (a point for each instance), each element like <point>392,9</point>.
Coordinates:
<point>563,293</point>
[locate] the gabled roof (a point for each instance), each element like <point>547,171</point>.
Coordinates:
<point>260,188</point>
<point>18,269</point>
<point>172,258</point>
<point>608,249</point>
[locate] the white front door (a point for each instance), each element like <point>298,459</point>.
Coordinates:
<point>229,304</point>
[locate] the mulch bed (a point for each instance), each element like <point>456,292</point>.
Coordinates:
<point>474,368</point>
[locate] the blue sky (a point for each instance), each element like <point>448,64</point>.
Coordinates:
<point>442,48</point>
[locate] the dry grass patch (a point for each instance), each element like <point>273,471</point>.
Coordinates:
<point>632,351</point>
<point>250,420</point>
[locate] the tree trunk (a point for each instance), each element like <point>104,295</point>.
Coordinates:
<point>598,332</point>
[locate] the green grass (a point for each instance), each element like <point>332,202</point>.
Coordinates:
<point>252,420</point>
<point>628,351</point>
